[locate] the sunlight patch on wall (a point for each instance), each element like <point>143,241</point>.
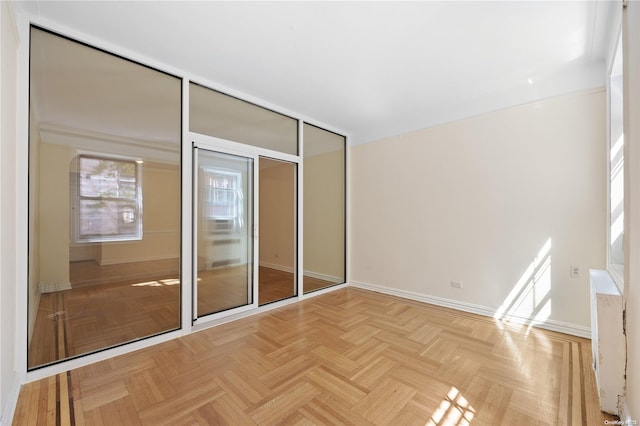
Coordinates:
<point>617,189</point>
<point>529,301</point>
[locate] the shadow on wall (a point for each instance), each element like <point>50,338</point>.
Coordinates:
<point>529,301</point>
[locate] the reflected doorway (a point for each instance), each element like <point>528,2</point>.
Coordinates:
<point>277,220</point>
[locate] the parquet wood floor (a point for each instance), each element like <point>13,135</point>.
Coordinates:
<point>346,357</point>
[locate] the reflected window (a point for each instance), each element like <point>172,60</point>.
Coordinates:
<point>109,200</point>
<point>223,199</point>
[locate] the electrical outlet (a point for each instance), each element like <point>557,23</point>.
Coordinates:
<point>574,271</point>
<point>456,284</point>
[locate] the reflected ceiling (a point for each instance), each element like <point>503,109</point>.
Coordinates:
<point>369,69</point>
<point>79,88</point>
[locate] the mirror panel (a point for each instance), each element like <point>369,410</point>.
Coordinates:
<point>104,200</point>
<point>222,116</point>
<point>324,208</point>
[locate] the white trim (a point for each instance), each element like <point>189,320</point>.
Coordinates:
<point>553,325</point>
<point>194,231</point>
<point>212,143</point>
<point>9,408</point>
<point>187,251</point>
<point>299,214</point>
<point>22,198</point>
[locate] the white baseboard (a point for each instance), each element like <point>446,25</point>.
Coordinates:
<point>324,277</point>
<point>9,409</point>
<point>282,268</point>
<point>53,287</point>
<point>311,274</point>
<point>135,259</point>
<point>553,325</point>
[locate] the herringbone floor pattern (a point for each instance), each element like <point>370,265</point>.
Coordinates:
<point>347,357</point>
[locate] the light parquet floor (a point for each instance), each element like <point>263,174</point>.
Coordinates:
<point>346,357</point>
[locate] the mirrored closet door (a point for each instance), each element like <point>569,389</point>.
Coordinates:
<point>104,200</point>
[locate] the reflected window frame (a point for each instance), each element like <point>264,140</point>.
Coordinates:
<point>135,201</point>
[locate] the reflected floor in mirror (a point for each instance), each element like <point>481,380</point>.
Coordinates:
<point>277,285</point>
<point>218,289</point>
<point>104,308</point>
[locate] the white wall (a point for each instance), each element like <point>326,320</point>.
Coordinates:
<point>8,77</point>
<point>484,201</point>
<point>631,21</point>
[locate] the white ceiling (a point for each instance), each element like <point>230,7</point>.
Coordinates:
<point>369,69</point>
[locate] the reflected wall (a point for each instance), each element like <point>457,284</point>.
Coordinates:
<point>277,230</point>
<point>324,208</point>
<point>104,200</point>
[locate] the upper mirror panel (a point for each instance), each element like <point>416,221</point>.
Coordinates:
<point>222,116</point>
